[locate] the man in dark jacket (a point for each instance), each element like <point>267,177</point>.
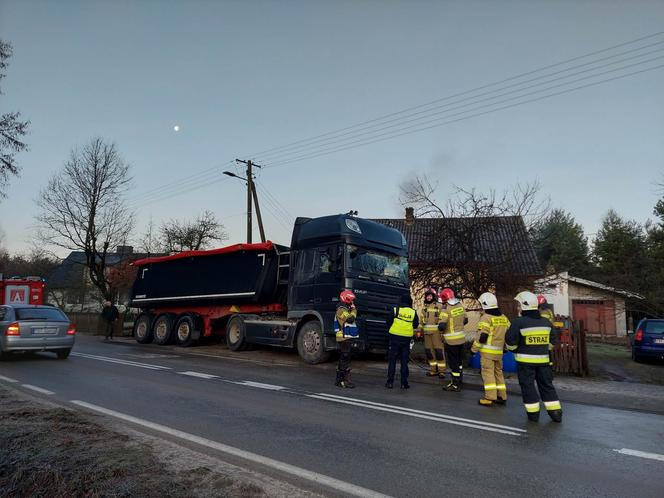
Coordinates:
<point>402,328</point>
<point>110,315</point>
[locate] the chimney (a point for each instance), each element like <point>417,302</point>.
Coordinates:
<point>410,215</point>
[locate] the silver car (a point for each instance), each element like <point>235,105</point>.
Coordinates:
<point>35,328</point>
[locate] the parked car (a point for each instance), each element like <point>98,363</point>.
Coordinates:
<point>648,340</point>
<point>35,328</point>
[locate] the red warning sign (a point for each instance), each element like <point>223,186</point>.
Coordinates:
<point>17,296</point>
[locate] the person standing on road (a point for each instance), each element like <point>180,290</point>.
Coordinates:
<point>546,312</point>
<point>452,320</point>
<point>403,326</point>
<point>110,315</point>
<point>490,344</point>
<point>529,336</point>
<point>433,340</point>
<point>346,332</point>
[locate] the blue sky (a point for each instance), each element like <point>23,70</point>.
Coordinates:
<point>242,77</point>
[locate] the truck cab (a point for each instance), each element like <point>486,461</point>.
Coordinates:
<point>333,253</point>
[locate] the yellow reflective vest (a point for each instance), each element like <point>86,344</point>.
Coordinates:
<point>403,322</point>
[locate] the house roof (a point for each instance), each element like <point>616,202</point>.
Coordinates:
<point>70,272</point>
<point>589,283</point>
<point>496,240</point>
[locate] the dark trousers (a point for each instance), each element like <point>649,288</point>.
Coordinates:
<point>399,349</point>
<point>542,375</point>
<point>454,355</point>
<point>345,348</point>
<point>109,329</point>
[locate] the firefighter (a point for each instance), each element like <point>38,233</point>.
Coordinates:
<point>433,341</point>
<point>490,343</point>
<point>546,312</point>
<point>529,336</point>
<point>451,322</point>
<point>403,327</point>
<point>346,331</point>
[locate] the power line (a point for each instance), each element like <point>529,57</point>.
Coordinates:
<point>276,201</point>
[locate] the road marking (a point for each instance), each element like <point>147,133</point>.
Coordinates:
<point>641,454</point>
<point>37,389</point>
<point>7,379</point>
<point>247,360</point>
<point>199,375</point>
<point>260,385</point>
<point>438,417</point>
<point>342,486</point>
<point>121,362</point>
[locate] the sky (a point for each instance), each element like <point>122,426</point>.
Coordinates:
<point>240,78</point>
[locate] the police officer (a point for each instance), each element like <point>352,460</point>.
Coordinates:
<point>452,320</point>
<point>433,341</point>
<point>346,331</point>
<point>404,323</point>
<point>490,344</point>
<point>529,336</point>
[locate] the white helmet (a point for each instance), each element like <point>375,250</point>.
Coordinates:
<point>488,301</point>
<point>527,300</point>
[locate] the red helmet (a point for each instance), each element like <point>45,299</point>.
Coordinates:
<point>347,296</point>
<point>541,300</point>
<point>446,294</point>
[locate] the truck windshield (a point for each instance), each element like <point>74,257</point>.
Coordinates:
<point>377,264</point>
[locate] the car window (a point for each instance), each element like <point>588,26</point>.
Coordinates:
<point>3,313</point>
<point>40,314</point>
<point>654,328</point>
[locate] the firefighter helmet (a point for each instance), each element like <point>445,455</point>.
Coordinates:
<point>527,300</point>
<point>541,300</point>
<point>347,296</point>
<point>488,301</point>
<point>446,294</point>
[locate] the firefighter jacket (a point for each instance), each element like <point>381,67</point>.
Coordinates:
<point>491,339</point>
<point>548,314</point>
<point>530,339</point>
<point>344,323</point>
<point>405,322</point>
<point>431,317</point>
<point>452,320</point>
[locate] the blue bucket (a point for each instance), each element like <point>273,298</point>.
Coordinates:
<point>509,363</point>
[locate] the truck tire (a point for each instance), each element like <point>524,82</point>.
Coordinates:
<point>236,334</point>
<point>310,343</point>
<point>143,328</point>
<point>162,329</point>
<point>184,330</point>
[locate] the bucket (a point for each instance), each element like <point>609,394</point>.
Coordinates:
<point>509,363</point>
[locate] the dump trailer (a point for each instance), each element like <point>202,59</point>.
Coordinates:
<point>275,295</point>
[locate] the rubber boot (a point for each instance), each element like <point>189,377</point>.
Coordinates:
<point>556,415</point>
<point>347,382</point>
<point>533,417</point>
<point>485,402</point>
<point>340,379</point>
<point>433,372</point>
<point>500,401</point>
<point>453,386</point>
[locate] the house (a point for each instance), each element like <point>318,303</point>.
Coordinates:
<point>599,309</point>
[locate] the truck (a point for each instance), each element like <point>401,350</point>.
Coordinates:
<point>274,295</point>
<point>22,290</point>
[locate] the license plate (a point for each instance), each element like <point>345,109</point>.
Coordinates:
<point>45,331</point>
<point>659,341</point>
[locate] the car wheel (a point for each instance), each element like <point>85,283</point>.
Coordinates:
<point>4,355</point>
<point>162,329</point>
<point>310,343</point>
<point>184,330</point>
<point>635,356</point>
<point>63,354</point>
<point>143,329</point>
<point>236,334</point>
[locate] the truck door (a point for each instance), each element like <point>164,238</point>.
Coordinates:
<point>328,282</point>
<point>303,280</point>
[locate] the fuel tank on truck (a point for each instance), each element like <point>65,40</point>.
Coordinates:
<point>241,273</point>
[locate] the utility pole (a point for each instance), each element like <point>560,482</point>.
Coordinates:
<point>251,194</point>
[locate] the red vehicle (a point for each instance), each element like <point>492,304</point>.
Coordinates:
<point>22,290</point>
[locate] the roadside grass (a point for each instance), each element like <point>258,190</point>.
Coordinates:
<point>614,362</point>
<point>52,452</point>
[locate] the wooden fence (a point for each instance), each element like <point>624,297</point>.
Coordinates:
<point>570,355</point>
<point>92,323</point>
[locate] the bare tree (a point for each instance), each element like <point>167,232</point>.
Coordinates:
<point>12,130</point>
<point>149,242</point>
<point>476,242</point>
<point>192,235</point>
<point>82,207</point>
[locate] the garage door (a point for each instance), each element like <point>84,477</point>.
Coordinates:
<point>595,317</point>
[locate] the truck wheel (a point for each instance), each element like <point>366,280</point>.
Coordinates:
<point>236,334</point>
<point>310,343</point>
<point>184,330</point>
<point>162,329</point>
<point>143,329</point>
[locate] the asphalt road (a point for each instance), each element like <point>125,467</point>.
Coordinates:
<point>288,420</point>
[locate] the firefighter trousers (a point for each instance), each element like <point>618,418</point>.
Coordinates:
<point>454,355</point>
<point>433,348</point>
<point>492,376</point>
<point>345,348</point>
<point>542,375</point>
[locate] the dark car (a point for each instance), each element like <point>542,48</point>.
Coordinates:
<point>648,340</point>
<point>35,328</point>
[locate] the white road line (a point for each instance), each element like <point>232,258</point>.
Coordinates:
<point>199,375</point>
<point>121,362</point>
<point>260,385</point>
<point>37,389</point>
<point>433,416</point>
<point>342,486</point>
<point>441,415</point>
<point>247,360</point>
<point>641,454</point>
<point>7,379</point>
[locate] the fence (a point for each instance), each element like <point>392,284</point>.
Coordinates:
<point>570,355</point>
<point>92,323</point>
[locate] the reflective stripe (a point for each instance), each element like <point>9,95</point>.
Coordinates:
<point>455,335</point>
<point>456,374</point>
<point>432,363</point>
<point>501,387</point>
<point>535,330</point>
<point>489,349</point>
<point>483,325</point>
<point>532,358</point>
<point>489,387</point>
<point>552,405</point>
<point>431,327</point>
<point>511,348</point>
<point>441,365</point>
<point>492,352</point>
<point>532,407</point>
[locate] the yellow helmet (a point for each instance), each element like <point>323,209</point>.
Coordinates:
<point>527,300</point>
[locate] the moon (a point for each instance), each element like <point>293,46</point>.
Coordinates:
<point>176,128</point>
